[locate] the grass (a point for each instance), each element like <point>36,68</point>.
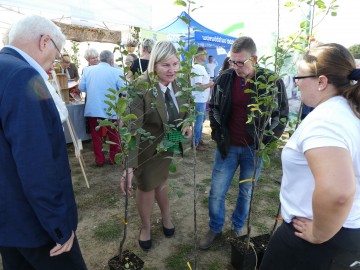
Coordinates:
<point>103,197</point>
<point>265,207</point>
<point>216,265</point>
<point>179,257</point>
<point>99,205</point>
<point>108,230</point>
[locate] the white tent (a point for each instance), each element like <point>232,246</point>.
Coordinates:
<point>105,14</point>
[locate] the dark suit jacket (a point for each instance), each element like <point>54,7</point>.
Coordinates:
<point>37,203</point>
<point>73,72</point>
<point>151,166</point>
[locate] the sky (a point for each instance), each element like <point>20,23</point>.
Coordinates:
<point>260,18</point>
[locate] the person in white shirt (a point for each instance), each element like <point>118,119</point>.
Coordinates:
<point>211,67</point>
<point>59,103</point>
<point>201,96</point>
<point>320,189</point>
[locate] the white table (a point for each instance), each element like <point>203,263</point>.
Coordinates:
<point>76,114</point>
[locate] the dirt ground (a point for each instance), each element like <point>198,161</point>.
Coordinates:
<point>103,204</point>
<point>101,211</point>
<point>106,179</point>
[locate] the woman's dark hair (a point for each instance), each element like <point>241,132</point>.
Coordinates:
<point>225,65</point>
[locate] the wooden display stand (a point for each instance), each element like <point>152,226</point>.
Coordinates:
<point>63,82</point>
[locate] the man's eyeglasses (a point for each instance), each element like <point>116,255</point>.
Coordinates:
<point>297,78</point>
<point>238,63</point>
<point>56,47</point>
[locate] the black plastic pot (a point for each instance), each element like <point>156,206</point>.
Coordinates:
<point>243,258</point>
<point>129,262</point>
<point>260,245</point>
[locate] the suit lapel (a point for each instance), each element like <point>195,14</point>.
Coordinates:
<point>160,104</point>
<point>179,100</point>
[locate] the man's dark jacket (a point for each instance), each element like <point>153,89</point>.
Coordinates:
<point>37,203</point>
<point>220,109</point>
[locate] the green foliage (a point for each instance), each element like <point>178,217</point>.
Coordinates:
<point>180,3</point>
<point>355,50</point>
<point>175,189</point>
<point>74,56</point>
<point>128,125</point>
<point>267,92</point>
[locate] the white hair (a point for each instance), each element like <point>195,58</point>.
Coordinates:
<point>90,53</point>
<point>32,27</point>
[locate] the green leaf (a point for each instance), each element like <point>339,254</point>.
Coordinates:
<point>111,97</point>
<point>180,3</point>
<point>303,24</point>
<point>129,117</point>
<point>289,4</point>
<point>179,193</point>
<point>172,167</point>
<point>113,91</point>
<point>132,143</point>
<point>110,104</point>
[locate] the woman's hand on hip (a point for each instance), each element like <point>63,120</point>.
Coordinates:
<point>304,229</point>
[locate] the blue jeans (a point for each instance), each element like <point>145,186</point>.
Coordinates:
<point>200,109</point>
<point>222,175</point>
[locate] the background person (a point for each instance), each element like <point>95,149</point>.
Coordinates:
<point>92,57</point>
<point>200,97</point>
<point>322,211</point>
<point>95,82</point>
<point>225,65</point>
<point>151,169</point>
<point>38,209</point>
<point>305,110</point>
<point>236,139</point>
<point>211,67</point>
<point>130,58</point>
<point>68,68</point>
<point>140,65</point>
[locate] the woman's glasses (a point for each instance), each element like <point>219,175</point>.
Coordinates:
<point>297,78</point>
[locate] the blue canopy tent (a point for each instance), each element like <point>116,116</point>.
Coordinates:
<point>216,44</point>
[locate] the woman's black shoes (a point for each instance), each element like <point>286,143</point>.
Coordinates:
<point>169,232</point>
<point>145,245</point>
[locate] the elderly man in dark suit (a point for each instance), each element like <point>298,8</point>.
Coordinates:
<point>38,214</point>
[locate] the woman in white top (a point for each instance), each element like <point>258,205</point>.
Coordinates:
<point>320,189</point>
